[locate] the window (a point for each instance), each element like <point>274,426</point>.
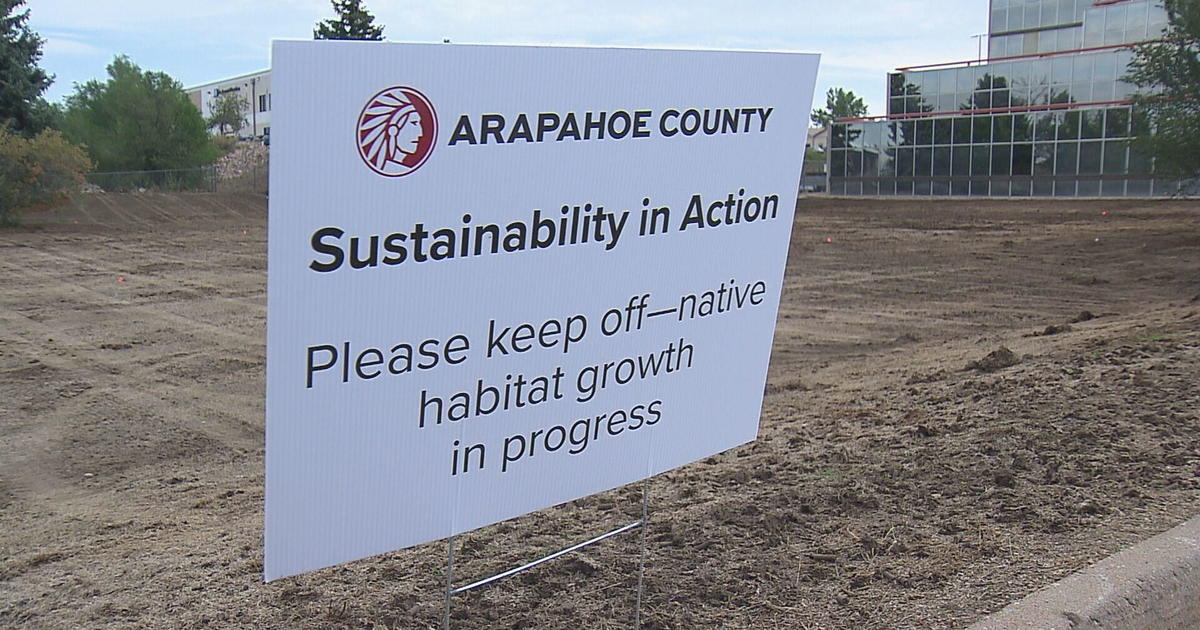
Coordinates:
<point>924,132</point>
<point>941,131</point>
<point>924,161</point>
<point>262,102</point>
<point>962,130</point>
<point>1117,123</point>
<point>1022,159</point>
<point>1068,125</point>
<point>1001,156</point>
<point>961,161</point>
<point>1114,157</point>
<point>1093,123</point>
<point>887,163</point>
<point>981,160</point>
<point>837,163</point>
<point>1043,159</point>
<point>854,163</point>
<point>1044,126</point>
<point>1089,158</point>
<point>983,129</point>
<point>904,162</point>
<point>1114,24</point>
<point>941,161</point>
<point>1067,161</point>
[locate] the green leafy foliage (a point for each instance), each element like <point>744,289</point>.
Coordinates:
<point>37,171</point>
<point>137,121</point>
<point>352,22</point>
<point>228,110</point>
<point>839,103</point>
<point>21,80</point>
<point>1168,73</point>
<point>224,144</point>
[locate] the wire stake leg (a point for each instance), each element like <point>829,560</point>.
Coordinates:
<point>449,582</point>
<point>637,619</point>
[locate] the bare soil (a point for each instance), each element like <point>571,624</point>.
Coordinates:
<point>968,400</point>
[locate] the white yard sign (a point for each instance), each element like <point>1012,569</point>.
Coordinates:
<point>504,277</point>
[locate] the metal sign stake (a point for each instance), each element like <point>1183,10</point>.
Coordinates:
<point>449,582</point>
<point>641,524</point>
<point>637,619</point>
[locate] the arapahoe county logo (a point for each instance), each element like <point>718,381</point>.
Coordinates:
<point>396,131</point>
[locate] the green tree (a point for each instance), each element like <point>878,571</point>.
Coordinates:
<point>21,80</point>
<point>37,171</point>
<point>228,110</point>
<point>137,121</point>
<point>1168,73</point>
<point>839,103</point>
<point>352,22</point>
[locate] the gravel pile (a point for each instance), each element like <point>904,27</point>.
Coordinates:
<point>242,160</point>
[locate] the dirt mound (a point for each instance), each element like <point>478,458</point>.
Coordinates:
<point>997,359</point>
<point>1083,316</point>
<point>1056,329</point>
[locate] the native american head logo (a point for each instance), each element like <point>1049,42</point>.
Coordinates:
<point>396,131</point>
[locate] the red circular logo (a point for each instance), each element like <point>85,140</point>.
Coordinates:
<point>396,131</point>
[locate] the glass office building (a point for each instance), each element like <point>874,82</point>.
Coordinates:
<point>1047,114</point>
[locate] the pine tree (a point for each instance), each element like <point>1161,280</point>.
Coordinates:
<point>352,22</point>
<point>21,80</point>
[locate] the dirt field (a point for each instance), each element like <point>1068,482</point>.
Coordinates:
<point>891,486</point>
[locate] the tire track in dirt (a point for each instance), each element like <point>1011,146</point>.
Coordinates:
<point>155,209</point>
<point>196,263</point>
<point>227,208</point>
<point>78,357</point>
<point>236,338</point>
<point>197,211</point>
<point>211,292</point>
<point>78,204</point>
<point>122,215</point>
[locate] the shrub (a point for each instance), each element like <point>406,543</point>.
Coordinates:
<point>137,121</point>
<point>224,144</point>
<point>37,171</point>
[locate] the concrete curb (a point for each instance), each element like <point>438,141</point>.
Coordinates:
<point>1154,585</point>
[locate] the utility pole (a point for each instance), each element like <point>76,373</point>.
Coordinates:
<point>254,107</point>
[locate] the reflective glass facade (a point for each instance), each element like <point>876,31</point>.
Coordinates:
<point>1027,27</point>
<point>1056,79</point>
<point>1055,123</point>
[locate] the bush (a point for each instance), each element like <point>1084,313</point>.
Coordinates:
<point>137,121</point>
<point>37,171</point>
<point>225,144</point>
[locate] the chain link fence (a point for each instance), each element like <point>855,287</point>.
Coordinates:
<point>200,179</point>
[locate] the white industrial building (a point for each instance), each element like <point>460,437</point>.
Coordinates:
<point>254,88</point>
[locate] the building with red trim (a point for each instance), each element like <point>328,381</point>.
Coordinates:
<point>1046,114</point>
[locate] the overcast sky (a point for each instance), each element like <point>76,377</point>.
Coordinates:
<point>197,41</point>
